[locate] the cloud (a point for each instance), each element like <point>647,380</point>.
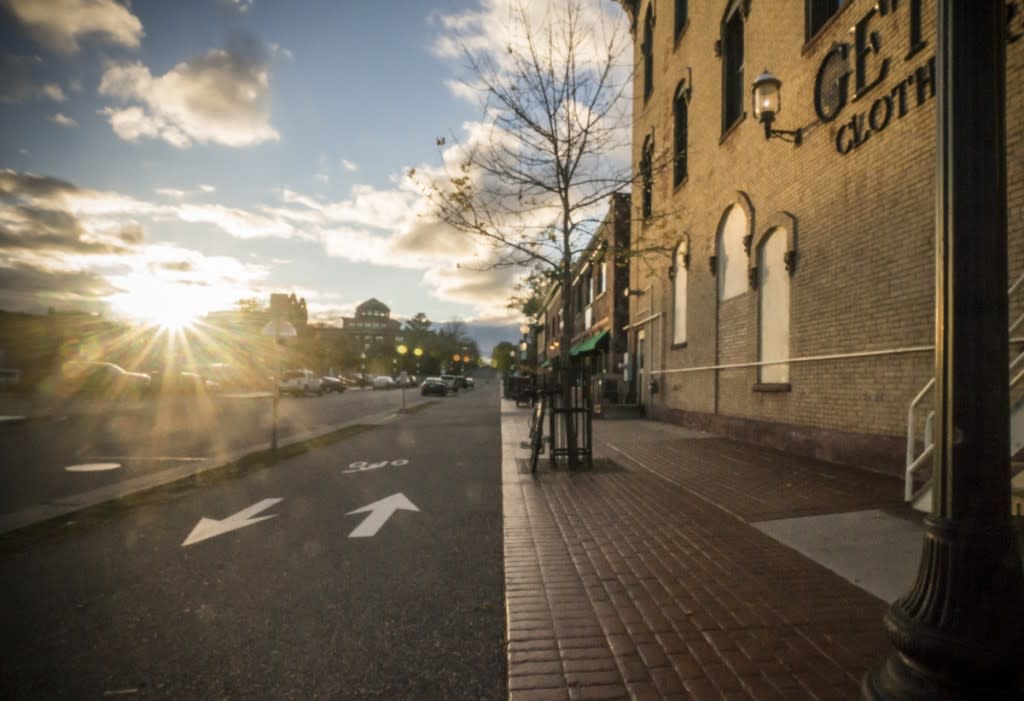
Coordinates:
<point>179,194</point>
<point>63,120</point>
<point>36,217</point>
<point>14,185</point>
<point>60,24</point>
<point>133,123</point>
<point>349,165</point>
<point>16,81</point>
<point>488,289</point>
<point>222,97</point>
<point>240,6</point>
<point>27,279</point>
<point>239,223</point>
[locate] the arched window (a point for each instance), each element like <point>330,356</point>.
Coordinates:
<point>648,51</point>
<point>680,106</point>
<point>731,263</point>
<point>773,306</point>
<point>646,177</point>
<point>680,265</point>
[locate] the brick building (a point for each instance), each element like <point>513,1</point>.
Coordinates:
<point>372,326</point>
<point>600,310</point>
<point>798,307</point>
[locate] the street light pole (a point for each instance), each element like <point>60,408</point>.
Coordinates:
<point>958,631</point>
<point>277,329</point>
<point>402,350</point>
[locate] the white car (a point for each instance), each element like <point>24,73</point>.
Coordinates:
<point>300,382</point>
<point>384,382</point>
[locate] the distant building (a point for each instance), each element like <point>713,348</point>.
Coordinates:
<point>372,325</point>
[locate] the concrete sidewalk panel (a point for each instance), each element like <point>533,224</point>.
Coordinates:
<point>872,549</point>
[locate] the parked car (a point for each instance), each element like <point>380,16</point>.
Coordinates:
<point>300,382</point>
<point>433,385</point>
<point>451,382</point>
<point>334,384</point>
<point>183,383</point>
<point>384,382</point>
<point>101,379</point>
<point>229,378</point>
<point>470,383</point>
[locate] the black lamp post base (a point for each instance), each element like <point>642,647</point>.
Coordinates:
<point>959,632</point>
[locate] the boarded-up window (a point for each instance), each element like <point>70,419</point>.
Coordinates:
<point>732,267</point>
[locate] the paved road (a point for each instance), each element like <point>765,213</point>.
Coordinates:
<point>290,607</point>
<point>149,436</point>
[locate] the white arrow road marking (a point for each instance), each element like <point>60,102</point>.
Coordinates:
<point>209,528</point>
<point>380,512</point>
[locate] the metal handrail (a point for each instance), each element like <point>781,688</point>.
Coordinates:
<point>1015,324</point>
<point>914,463</point>
<point>1016,283</point>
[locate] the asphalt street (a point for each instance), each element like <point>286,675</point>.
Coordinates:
<point>287,588</point>
<point>37,454</point>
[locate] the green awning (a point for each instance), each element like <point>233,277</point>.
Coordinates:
<point>590,345</point>
<point>546,364</point>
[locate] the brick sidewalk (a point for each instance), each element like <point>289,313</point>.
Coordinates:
<point>638,584</point>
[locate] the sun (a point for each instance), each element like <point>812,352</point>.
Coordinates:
<point>174,319</point>
<point>170,306</point>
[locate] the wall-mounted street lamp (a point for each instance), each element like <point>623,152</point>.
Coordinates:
<point>629,292</point>
<point>767,95</point>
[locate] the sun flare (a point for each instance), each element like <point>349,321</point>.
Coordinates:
<point>170,306</point>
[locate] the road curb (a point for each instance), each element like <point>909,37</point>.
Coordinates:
<point>39,513</point>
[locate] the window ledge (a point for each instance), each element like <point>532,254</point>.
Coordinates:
<point>732,127</point>
<point>679,346</point>
<point>773,387</point>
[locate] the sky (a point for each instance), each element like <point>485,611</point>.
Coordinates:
<point>165,159</point>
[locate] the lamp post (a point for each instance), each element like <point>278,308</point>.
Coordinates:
<point>279,330</point>
<point>362,358</point>
<point>958,632</point>
<point>402,350</point>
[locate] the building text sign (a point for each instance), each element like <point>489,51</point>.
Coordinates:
<point>869,69</point>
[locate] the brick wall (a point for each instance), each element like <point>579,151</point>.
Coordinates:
<point>864,276</point>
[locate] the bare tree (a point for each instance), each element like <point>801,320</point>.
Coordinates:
<point>535,177</point>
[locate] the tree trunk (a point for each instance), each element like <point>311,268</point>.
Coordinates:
<point>568,362</point>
